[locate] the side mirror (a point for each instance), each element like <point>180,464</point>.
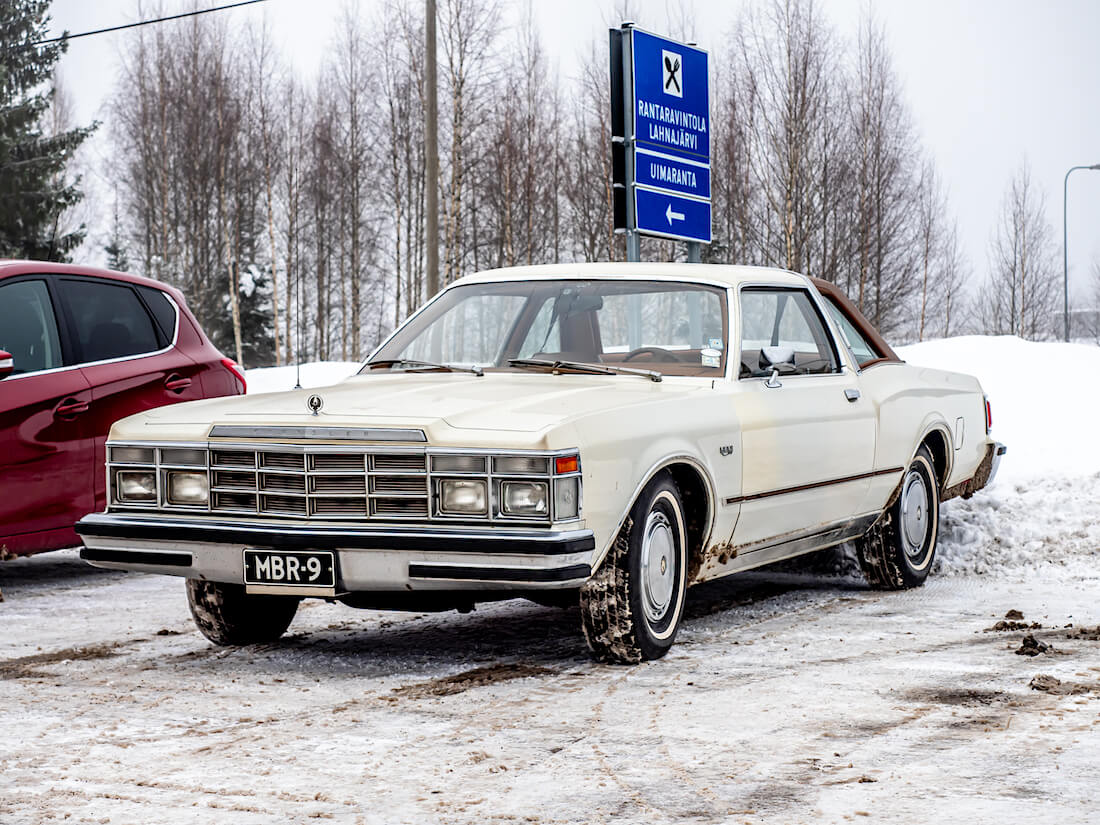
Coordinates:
<point>770,356</point>
<point>7,364</point>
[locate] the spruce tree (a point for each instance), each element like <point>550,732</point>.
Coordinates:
<point>118,258</point>
<point>34,191</point>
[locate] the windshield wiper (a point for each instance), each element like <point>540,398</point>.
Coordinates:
<point>581,366</point>
<point>412,365</point>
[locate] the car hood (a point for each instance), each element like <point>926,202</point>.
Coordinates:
<point>441,404</point>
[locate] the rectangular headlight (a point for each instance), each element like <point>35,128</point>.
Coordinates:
<point>189,489</point>
<point>521,465</point>
<point>132,455</point>
<point>449,463</point>
<point>567,498</point>
<point>463,497</point>
<point>191,457</point>
<point>136,487</point>
<point>525,498</point>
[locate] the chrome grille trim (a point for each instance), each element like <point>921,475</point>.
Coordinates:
<point>334,482</point>
<point>338,485</point>
<point>319,433</point>
<point>282,461</point>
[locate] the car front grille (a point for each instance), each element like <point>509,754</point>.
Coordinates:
<point>339,483</point>
<point>319,485</point>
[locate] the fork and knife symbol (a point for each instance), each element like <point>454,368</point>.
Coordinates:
<point>672,68</point>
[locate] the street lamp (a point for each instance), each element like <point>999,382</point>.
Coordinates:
<point>1065,247</point>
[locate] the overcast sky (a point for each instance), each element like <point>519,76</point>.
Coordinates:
<point>990,83</point>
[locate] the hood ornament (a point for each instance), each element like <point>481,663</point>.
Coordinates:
<point>315,402</point>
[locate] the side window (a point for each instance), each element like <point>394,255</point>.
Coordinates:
<point>860,347</point>
<point>109,319</point>
<point>28,328</point>
<point>781,328</point>
<point>163,311</point>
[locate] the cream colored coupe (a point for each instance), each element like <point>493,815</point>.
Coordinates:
<point>607,434</point>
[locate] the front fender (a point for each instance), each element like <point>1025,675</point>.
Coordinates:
<point>620,454</point>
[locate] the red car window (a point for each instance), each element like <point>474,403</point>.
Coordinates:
<point>163,311</point>
<point>28,329</point>
<point>109,320</point>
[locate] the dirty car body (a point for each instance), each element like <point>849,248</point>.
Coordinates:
<point>608,433</point>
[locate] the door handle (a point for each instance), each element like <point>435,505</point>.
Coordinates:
<point>70,407</point>
<point>177,383</point>
<point>851,395</point>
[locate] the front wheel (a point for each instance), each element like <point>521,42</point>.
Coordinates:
<point>897,552</point>
<point>227,615</point>
<point>632,606</point>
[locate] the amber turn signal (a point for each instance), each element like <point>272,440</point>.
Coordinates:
<point>566,464</point>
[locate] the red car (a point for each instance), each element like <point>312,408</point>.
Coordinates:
<point>81,348</point>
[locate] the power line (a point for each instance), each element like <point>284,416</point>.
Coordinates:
<point>145,22</point>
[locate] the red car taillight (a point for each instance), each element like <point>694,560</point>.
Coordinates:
<point>988,416</point>
<point>237,372</point>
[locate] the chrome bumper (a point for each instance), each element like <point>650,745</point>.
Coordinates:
<point>368,559</point>
<point>999,450</point>
<point>983,475</point>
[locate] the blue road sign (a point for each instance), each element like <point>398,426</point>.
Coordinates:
<point>660,171</point>
<point>671,216</point>
<point>671,96</point>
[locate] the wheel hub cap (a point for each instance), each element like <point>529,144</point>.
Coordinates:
<point>914,514</point>
<point>658,566</point>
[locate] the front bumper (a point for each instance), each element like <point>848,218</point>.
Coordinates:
<point>368,559</point>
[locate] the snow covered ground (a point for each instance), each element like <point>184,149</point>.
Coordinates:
<point>789,697</point>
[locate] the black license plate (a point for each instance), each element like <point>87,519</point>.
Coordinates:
<point>304,569</point>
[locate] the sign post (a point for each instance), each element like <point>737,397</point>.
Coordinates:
<point>660,101</point>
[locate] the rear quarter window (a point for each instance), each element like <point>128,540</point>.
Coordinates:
<point>164,312</point>
<point>109,320</point>
<point>864,351</point>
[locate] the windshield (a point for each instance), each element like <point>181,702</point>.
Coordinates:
<point>672,328</point>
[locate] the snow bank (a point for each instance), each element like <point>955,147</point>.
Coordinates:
<point>1044,397</point>
<point>315,374</point>
<point>1051,523</point>
<point>1044,508</point>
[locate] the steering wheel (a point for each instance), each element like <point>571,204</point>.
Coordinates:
<point>660,353</point>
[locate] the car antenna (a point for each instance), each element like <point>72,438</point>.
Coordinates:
<point>298,330</point>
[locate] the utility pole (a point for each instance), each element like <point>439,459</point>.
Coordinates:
<point>633,239</point>
<point>1065,246</point>
<point>431,149</point>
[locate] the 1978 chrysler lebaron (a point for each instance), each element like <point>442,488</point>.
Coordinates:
<point>608,433</point>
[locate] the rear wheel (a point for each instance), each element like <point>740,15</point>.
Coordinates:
<point>632,606</point>
<point>226,615</point>
<point>898,551</point>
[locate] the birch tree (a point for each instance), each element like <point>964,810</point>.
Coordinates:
<point>1023,294</point>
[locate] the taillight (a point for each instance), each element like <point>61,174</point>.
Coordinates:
<point>988,416</point>
<point>238,374</point>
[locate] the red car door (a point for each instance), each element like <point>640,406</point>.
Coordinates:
<point>127,353</point>
<point>46,457</point>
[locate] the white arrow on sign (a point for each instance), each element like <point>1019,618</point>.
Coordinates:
<point>673,216</point>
